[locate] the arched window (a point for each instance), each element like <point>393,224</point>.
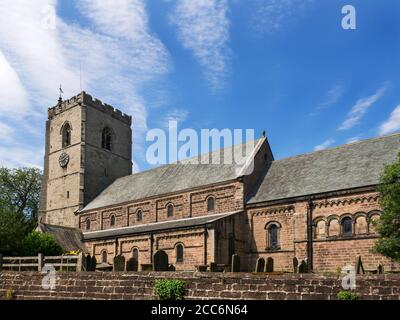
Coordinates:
<point>66,135</point>
<point>139,216</point>
<point>112,220</point>
<point>210,204</point>
<point>87,224</point>
<point>273,236</point>
<point>104,256</point>
<point>179,253</point>
<point>135,254</point>
<point>106,138</point>
<point>170,210</point>
<point>347,226</point>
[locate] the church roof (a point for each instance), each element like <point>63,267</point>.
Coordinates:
<point>178,176</point>
<point>70,239</point>
<point>158,226</point>
<point>353,165</point>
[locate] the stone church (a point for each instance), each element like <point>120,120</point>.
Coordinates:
<point>317,207</point>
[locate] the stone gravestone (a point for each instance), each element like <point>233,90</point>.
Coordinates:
<point>359,266</point>
<point>160,261</point>
<point>260,265</point>
<point>270,265</point>
<point>119,263</point>
<point>93,264</point>
<point>132,265</point>
<point>303,268</point>
<point>295,265</point>
<point>235,263</point>
<point>213,267</point>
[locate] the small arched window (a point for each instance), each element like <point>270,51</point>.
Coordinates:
<point>179,253</point>
<point>104,256</point>
<point>106,138</point>
<point>66,135</point>
<point>347,226</point>
<point>210,204</point>
<point>139,216</point>
<point>87,224</point>
<point>170,210</point>
<point>112,220</point>
<point>135,254</point>
<point>273,236</point>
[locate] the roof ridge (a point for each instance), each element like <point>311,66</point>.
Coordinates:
<point>340,146</point>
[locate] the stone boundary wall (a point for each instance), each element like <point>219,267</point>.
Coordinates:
<point>136,286</point>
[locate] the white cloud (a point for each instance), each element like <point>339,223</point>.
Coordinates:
<point>360,108</point>
<point>271,15</point>
<point>13,96</point>
<point>392,124</point>
<point>353,139</point>
<point>115,50</point>
<point>178,115</point>
<point>21,156</point>
<point>6,132</point>
<point>332,96</point>
<point>324,145</point>
<point>203,28</point>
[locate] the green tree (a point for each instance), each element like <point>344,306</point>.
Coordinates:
<point>13,230</point>
<point>389,224</point>
<point>45,243</point>
<point>20,191</point>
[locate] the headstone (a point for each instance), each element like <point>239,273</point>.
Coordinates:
<point>270,265</point>
<point>132,265</point>
<point>119,263</point>
<point>213,267</point>
<point>359,266</point>
<point>295,265</point>
<point>303,268</point>
<point>260,265</point>
<point>235,263</point>
<point>160,261</point>
<point>380,269</point>
<point>93,264</point>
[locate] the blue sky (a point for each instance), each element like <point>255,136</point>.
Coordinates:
<point>284,66</point>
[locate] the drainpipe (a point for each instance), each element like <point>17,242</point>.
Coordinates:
<point>310,208</point>
<point>151,247</point>
<point>205,244</point>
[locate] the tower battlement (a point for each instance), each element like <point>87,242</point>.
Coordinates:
<point>84,98</point>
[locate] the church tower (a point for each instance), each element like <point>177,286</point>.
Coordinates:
<point>88,146</point>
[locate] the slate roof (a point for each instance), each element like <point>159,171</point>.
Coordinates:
<point>358,164</point>
<point>176,177</point>
<point>157,226</point>
<point>70,239</point>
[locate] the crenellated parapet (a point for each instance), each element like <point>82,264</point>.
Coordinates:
<point>84,98</point>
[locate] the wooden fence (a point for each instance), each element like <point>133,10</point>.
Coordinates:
<point>60,263</point>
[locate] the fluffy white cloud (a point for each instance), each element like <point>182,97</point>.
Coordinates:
<point>13,96</point>
<point>324,145</point>
<point>203,28</point>
<point>115,50</point>
<point>392,124</point>
<point>360,108</point>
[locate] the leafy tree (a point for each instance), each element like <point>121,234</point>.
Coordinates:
<point>13,230</point>
<point>20,191</point>
<point>388,225</point>
<point>37,242</point>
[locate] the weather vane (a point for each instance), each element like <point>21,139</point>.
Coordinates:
<point>61,92</point>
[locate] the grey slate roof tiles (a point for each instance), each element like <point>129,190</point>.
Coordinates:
<point>354,165</point>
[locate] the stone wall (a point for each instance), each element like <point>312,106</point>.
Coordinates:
<point>199,286</point>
